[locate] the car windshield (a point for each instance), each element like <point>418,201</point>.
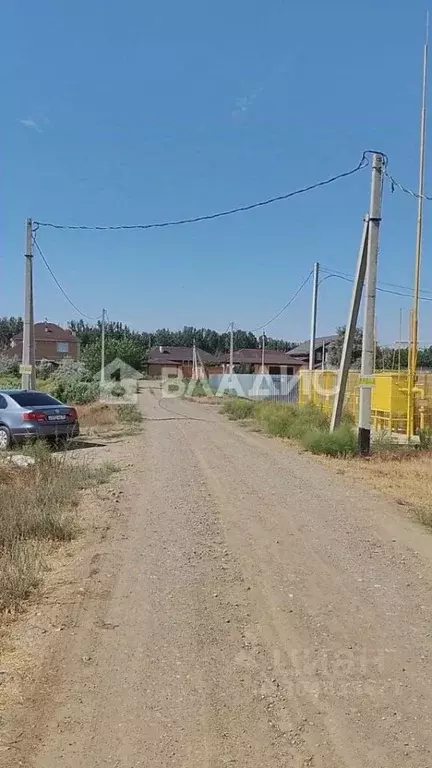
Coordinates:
<point>30,399</point>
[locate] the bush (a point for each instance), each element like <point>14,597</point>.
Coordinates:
<point>9,365</point>
<point>383,441</point>
<point>238,408</point>
<point>73,391</point>
<point>9,381</point>
<point>289,420</point>
<point>341,442</point>
<point>45,369</point>
<point>72,370</point>
<point>129,413</point>
<point>199,388</point>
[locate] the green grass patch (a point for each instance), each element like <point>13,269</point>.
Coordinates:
<point>289,420</point>
<point>306,423</point>
<point>342,442</point>
<point>237,408</point>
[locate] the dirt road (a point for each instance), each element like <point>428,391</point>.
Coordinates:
<point>250,608</point>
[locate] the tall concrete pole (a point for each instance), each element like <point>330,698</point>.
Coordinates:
<point>263,353</point>
<point>313,316</point>
<point>413,351</point>
<point>194,361</point>
<point>231,352</point>
<point>350,328</point>
<point>102,373</point>
<point>368,349</point>
<point>28,380</point>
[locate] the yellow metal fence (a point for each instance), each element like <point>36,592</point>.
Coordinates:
<point>389,397</point>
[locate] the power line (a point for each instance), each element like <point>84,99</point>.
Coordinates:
<point>382,290</point>
<point>193,220</point>
<point>281,311</point>
<point>394,183</point>
<point>58,284</point>
<point>337,272</point>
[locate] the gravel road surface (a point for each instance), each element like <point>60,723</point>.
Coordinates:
<point>251,608</point>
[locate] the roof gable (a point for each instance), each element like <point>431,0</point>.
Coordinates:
<point>49,332</point>
<point>303,349</point>
<point>166,354</point>
<point>253,356</point>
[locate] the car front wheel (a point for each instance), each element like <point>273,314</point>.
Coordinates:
<point>5,438</point>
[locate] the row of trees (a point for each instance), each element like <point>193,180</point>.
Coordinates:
<point>133,346</point>
<point>205,338</point>
<point>386,358</point>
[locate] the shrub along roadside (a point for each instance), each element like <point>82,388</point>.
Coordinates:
<point>238,408</point>
<point>37,505</point>
<point>306,423</point>
<point>341,442</point>
<point>100,418</point>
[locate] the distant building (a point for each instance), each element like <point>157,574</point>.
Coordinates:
<point>301,352</point>
<point>276,362</point>
<point>52,342</point>
<point>177,361</point>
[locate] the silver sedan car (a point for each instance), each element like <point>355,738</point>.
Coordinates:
<point>26,414</point>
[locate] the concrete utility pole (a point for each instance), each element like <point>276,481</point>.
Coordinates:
<point>102,373</point>
<point>350,329</point>
<point>313,316</point>
<point>231,353</point>
<point>413,351</point>
<point>263,353</point>
<point>368,348</point>
<point>28,351</point>
<point>194,362</point>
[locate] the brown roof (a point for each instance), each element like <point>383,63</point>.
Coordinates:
<point>254,356</point>
<point>45,331</point>
<point>163,355</point>
<point>302,350</point>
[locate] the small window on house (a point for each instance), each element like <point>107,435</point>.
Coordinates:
<point>62,346</point>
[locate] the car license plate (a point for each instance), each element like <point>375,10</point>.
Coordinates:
<point>57,418</point>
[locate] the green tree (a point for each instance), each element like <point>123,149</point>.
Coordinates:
<point>424,358</point>
<point>129,350</point>
<point>9,327</point>
<point>335,348</point>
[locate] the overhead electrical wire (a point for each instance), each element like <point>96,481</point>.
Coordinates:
<point>382,290</point>
<point>335,272</point>
<point>394,183</point>
<point>285,307</point>
<point>364,162</point>
<point>58,284</point>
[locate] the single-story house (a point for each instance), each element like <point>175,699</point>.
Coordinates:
<point>301,352</point>
<point>177,361</point>
<point>52,342</point>
<point>276,363</point>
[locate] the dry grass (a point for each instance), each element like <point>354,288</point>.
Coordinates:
<point>37,505</point>
<point>401,476</point>
<point>102,419</point>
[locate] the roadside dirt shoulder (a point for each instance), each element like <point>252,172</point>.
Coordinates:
<point>70,574</point>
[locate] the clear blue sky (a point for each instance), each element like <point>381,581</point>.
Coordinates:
<point>137,112</point>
